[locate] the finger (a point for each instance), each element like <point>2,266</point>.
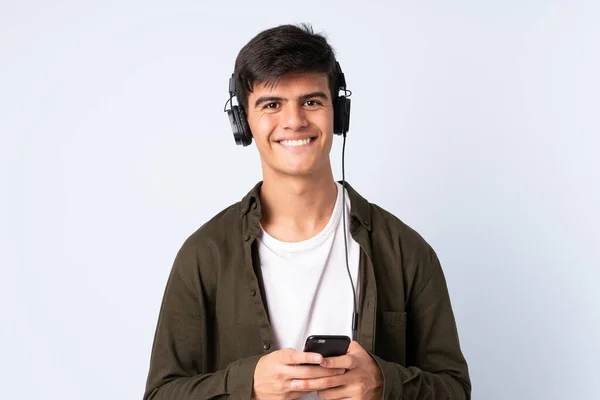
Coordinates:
<point>293,357</point>
<point>311,385</point>
<point>354,347</point>
<point>336,393</point>
<point>311,371</point>
<point>295,395</point>
<point>347,362</point>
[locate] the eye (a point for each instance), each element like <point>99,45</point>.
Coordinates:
<point>272,105</point>
<point>312,103</point>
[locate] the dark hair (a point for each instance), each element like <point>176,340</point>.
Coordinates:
<point>277,51</point>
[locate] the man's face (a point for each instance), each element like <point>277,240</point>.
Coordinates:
<point>292,124</point>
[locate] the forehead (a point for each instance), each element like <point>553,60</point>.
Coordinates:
<point>293,84</point>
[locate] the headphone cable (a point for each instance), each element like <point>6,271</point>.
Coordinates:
<point>355,306</point>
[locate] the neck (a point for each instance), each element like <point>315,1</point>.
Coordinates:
<point>297,208</point>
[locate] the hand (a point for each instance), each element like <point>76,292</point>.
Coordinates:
<point>362,380</point>
<point>275,372</point>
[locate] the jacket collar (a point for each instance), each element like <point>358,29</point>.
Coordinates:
<point>359,206</point>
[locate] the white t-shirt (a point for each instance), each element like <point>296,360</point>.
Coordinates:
<point>306,283</point>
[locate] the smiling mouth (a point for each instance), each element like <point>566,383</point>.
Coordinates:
<point>296,143</point>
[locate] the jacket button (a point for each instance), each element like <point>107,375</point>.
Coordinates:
<point>253,293</point>
<point>254,205</point>
<point>246,238</point>
<point>266,345</point>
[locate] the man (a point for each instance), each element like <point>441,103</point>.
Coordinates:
<point>287,261</point>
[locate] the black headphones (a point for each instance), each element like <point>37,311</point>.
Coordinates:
<point>239,122</point>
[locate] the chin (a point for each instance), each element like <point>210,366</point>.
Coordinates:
<point>299,173</point>
<point>294,172</point>
<point>300,169</point>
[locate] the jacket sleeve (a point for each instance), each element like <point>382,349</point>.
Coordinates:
<point>180,353</point>
<point>436,368</point>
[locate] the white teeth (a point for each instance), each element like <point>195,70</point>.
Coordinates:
<point>294,143</point>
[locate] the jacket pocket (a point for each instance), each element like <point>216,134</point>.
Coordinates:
<point>390,342</point>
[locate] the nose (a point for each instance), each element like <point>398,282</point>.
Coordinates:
<point>293,117</point>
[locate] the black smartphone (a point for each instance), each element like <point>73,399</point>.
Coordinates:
<point>327,345</point>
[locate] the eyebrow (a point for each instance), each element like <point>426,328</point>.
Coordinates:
<point>265,99</point>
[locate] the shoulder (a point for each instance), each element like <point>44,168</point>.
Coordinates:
<point>386,227</point>
<point>400,247</point>
<point>386,224</point>
<point>398,250</point>
<point>208,248</point>
<point>217,230</point>
<point>225,227</point>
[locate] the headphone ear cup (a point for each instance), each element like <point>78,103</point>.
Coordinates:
<point>239,126</point>
<point>341,115</point>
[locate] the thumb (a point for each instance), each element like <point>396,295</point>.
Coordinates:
<point>354,347</point>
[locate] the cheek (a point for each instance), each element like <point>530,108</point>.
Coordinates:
<point>326,124</point>
<point>326,120</point>
<point>263,125</point>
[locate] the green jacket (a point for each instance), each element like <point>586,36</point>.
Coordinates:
<point>214,326</point>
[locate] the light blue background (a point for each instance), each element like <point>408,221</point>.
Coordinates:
<point>475,122</point>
